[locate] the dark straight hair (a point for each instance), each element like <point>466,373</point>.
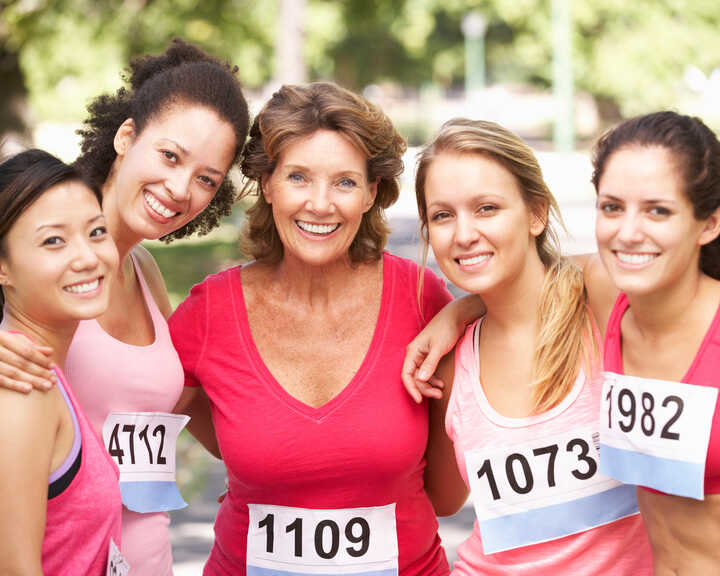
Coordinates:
<point>23,179</point>
<point>695,150</point>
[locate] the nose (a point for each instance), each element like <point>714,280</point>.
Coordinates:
<point>178,184</point>
<point>466,232</point>
<point>320,199</point>
<point>630,228</point>
<point>85,257</point>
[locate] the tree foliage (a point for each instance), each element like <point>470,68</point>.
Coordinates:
<point>630,55</point>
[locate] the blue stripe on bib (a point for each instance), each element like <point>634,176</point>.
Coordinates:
<point>664,474</point>
<point>255,571</point>
<point>558,520</point>
<point>153,496</point>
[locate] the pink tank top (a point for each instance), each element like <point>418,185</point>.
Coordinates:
<point>704,371</point>
<point>528,526</point>
<point>111,376</point>
<point>83,518</point>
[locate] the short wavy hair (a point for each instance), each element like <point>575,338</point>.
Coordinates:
<point>298,111</point>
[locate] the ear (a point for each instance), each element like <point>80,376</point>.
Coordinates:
<point>372,194</point>
<point>124,137</point>
<point>265,185</point>
<point>539,219</point>
<point>711,230</point>
<point>4,278</point>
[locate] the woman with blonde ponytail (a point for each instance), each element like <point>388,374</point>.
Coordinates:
<point>522,411</point>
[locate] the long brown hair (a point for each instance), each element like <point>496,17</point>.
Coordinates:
<point>565,341</point>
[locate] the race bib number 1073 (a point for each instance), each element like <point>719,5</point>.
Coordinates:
<point>655,433</point>
<point>285,541</point>
<point>543,490</point>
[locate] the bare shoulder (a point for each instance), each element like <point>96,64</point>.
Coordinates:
<point>29,417</point>
<point>600,289</point>
<point>153,279</point>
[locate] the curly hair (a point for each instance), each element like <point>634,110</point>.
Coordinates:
<point>695,150</point>
<point>297,111</point>
<point>182,74</point>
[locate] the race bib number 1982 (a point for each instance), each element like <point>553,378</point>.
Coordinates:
<point>285,541</point>
<point>655,433</point>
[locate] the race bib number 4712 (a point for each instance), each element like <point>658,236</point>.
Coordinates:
<point>285,541</point>
<point>143,446</point>
<point>543,490</point>
<point>655,433</point>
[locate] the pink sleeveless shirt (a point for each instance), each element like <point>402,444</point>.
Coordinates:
<point>704,371</point>
<point>83,518</point>
<point>112,376</point>
<point>618,543</point>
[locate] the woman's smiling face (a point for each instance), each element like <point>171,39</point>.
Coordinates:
<point>319,191</point>
<point>480,229</point>
<point>647,234</point>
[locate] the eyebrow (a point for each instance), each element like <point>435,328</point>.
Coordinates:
<point>63,226</point>
<point>304,167</point>
<point>187,153</point>
<point>647,201</point>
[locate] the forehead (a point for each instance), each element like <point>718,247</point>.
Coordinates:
<point>67,203</point>
<point>453,175</point>
<point>327,150</point>
<point>198,129</point>
<point>641,170</point>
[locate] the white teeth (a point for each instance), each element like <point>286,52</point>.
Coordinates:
<point>317,228</point>
<point>157,207</point>
<point>635,258</point>
<point>82,288</point>
<point>473,260</point>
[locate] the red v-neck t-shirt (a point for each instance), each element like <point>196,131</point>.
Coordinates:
<point>363,448</point>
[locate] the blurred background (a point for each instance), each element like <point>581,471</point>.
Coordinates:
<point>557,72</point>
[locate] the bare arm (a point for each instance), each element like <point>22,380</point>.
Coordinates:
<point>28,427</point>
<point>443,482</point>
<point>601,291</point>
<point>437,339</point>
<point>195,403</point>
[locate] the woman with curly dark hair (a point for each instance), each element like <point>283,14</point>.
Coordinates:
<point>300,355</point>
<point>159,151</point>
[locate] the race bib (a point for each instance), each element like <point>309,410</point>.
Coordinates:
<point>285,541</point>
<point>143,446</point>
<point>655,433</point>
<point>543,490</point>
<point>116,565</point>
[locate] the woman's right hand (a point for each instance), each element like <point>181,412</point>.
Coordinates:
<point>437,339</point>
<point>24,365</point>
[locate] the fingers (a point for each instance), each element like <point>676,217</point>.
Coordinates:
<point>429,364</point>
<point>23,364</point>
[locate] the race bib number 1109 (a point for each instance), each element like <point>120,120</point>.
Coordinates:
<point>285,541</point>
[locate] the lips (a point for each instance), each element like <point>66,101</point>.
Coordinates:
<point>83,287</point>
<point>317,229</point>
<point>158,207</point>
<point>635,258</point>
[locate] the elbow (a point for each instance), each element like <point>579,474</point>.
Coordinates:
<point>445,504</point>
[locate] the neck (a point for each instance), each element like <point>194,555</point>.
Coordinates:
<point>660,311</point>
<point>57,337</point>
<point>515,302</point>
<point>124,238</point>
<point>315,285</point>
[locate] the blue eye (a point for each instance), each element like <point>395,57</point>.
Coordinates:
<point>347,183</point>
<point>296,177</point>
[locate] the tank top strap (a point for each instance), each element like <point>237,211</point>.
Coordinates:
<point>155,313</point>
<point>612,347</point>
